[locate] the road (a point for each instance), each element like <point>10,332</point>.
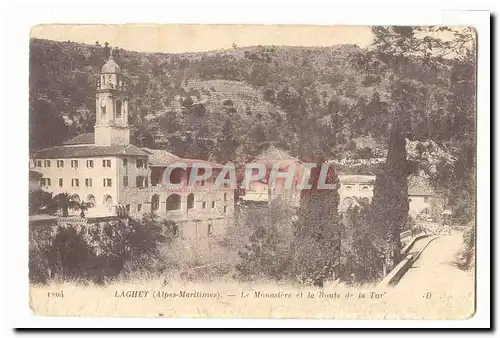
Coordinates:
<point>436,268</point>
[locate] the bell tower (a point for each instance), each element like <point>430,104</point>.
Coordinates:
<point>111,123</point>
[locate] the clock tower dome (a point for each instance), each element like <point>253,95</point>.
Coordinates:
<point>111,123</point>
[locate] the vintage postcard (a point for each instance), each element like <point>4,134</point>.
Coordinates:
<point>252,171</point>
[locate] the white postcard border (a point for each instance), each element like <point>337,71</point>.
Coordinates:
<point>15,230</point>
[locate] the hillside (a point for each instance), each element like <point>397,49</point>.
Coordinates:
<point>228,105</point>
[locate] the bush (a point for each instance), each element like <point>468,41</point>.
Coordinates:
<point>40,202</point>
<point>316,242</point>
<point>469,244</point>
<point>39,269</point>
<point>268,254</point>
<point>70,256</point>
<point>360,260</point>
<point>97,252</point>
<point>351,145</point>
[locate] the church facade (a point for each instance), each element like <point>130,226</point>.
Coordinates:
<point>106,170</point>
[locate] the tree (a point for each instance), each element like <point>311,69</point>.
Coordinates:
<point>46,127</point>
<point>316,245</point>
<point>228,144</point>
<point>453,100</point>
<point>187,102</point>
<point>65,201</point>
<point>334,107</point>
<point>377,115</point>
<point>142,138</point>
<point>107,50</point>
<point>258,133</point>
<point>390,199</point>
<point>82,206</point>
<point>360,259</point>
<point>40,201</point>
<point>268,254</point>
<point>69,255</point>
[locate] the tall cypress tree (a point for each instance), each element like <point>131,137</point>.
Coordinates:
<point>316,246</point>
<point>390,198</point>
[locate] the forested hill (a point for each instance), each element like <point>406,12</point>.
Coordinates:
<point>229,104</point>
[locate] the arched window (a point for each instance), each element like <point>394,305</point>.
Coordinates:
<point>348,187</point>
<point>190,201</point>
<point>155,203</point>
<point>118,109</point>
<point>108,201</point>
<point>91,200</point>
<point>365,188</point>
<point>210,228</point>
<point>173,202</point>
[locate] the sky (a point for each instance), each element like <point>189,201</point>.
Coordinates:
<point>199,38</point>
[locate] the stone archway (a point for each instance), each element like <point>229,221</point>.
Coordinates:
<point>173,202</point>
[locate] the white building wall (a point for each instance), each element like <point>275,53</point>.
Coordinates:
<point>96,173</point>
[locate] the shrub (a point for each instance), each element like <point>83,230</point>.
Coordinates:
<point>69,255</point>
<point>370,80</point>
<point>268,254</point>
<point>40,202</point>
<point>360,260</point>
<point>316,242</point>
<point>99,251</point>
<point>39,245</point>
<point>469,245</point>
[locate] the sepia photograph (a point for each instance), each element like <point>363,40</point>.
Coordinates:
<point>252,171</point>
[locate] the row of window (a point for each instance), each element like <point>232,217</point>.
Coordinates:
<point>173,202</point>
<point>363,188</point>
<point>90,163</point>
<point>75,182</point>
<point>140,182</point>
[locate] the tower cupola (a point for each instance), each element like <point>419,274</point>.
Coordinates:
<point>111,126</point>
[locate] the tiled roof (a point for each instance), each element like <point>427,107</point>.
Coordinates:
<point>159,157</point>
<point>419,186</point>
<point>189,162</point>
<point>87,138</point>
<point>89,151</point>
<point>273,155</point>
<point>162,158</point>
<point>367,179</point>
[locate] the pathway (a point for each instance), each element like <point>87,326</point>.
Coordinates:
<point>436,268</point>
